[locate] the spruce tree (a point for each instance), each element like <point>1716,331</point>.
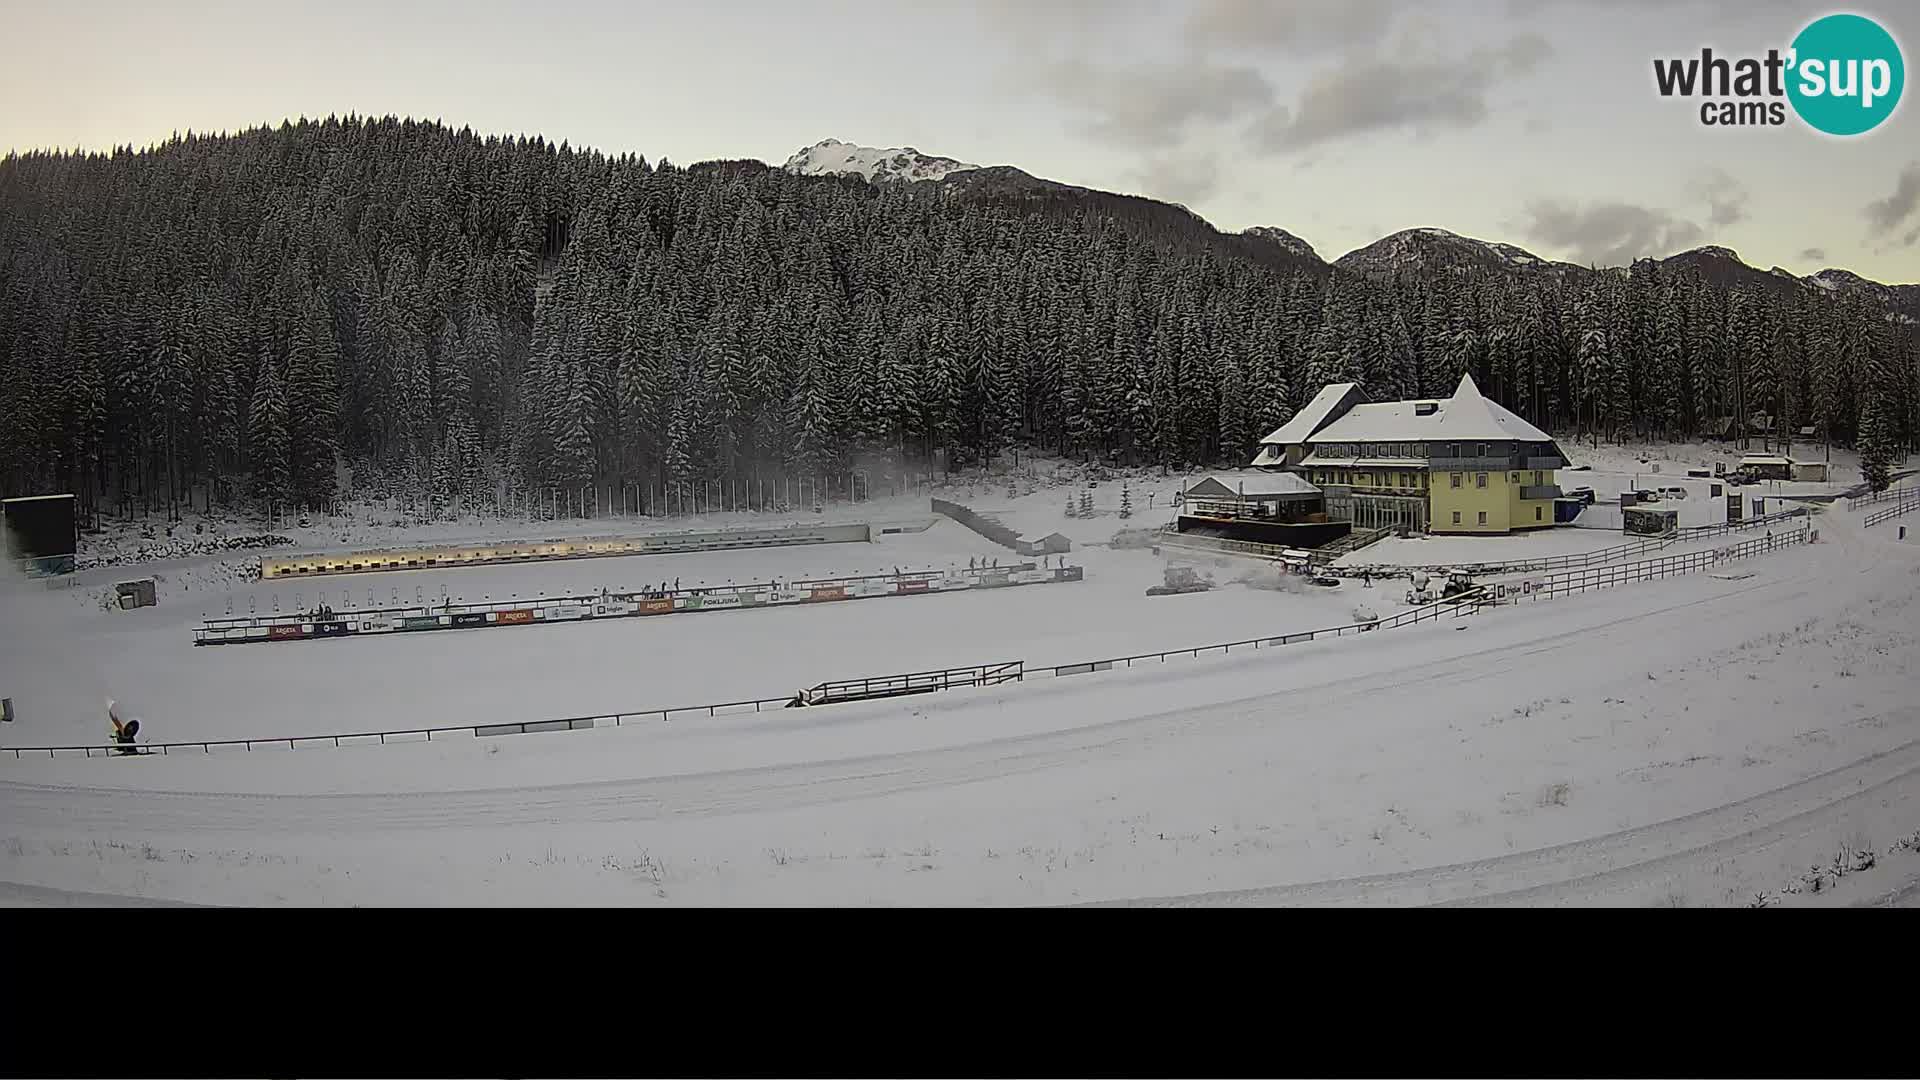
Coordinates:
<point>1877,448</point>
<point>267,436</point>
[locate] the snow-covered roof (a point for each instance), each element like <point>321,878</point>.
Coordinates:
<point>1260,486</point>
<point>1308,420</point>
<point>1269,455</point>
<point>1465,415</point>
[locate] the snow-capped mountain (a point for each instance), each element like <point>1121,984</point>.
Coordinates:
<point>1416,251</point>
<point>1284,238</point>
<point>1902,300</point>
<point>1437,249</point>
<point>831,157</point>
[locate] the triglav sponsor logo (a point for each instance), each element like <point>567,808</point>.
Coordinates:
<point>1843,75</point>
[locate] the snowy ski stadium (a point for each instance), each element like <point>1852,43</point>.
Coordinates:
<point>1011,701</point>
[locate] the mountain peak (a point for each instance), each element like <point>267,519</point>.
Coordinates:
<point>1430,248</point>
<point>831,157</point>
<point>1714,251</point>
<point>1284,238</point>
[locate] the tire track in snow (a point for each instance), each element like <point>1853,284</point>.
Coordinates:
<point>1609,867</point>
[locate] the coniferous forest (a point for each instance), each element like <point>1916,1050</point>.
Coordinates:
<point>220,320</point>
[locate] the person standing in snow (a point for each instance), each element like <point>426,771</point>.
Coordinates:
<point>123,732</point>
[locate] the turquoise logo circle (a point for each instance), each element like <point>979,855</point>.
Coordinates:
<point>1846,74</point>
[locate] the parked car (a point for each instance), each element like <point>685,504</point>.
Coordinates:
<point>1584,494</point>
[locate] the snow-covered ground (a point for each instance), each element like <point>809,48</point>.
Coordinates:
<point>1696,740</point>
<point>71,655</point>
<point>1445,550</point>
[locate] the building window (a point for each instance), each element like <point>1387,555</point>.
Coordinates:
<point>1536,477</point>
<point>1456,517</point>
<point>1515,478</point>
<point>1483,517</point>
<point>1480,480</point>
<point>1536,513</point>
<point>1456,479</point>
<point>1483,450</point>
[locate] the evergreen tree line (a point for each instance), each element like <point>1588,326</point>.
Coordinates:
<point>221,319</point>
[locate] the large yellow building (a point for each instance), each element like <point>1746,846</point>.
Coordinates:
<point>1456,465</point>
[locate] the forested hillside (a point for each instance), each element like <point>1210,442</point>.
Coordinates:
<point>222,318</point>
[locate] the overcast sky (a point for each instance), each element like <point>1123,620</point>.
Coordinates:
<point>1530,121</point>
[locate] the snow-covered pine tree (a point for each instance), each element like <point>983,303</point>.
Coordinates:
<point>267,434</point>
<point>1877,448</point>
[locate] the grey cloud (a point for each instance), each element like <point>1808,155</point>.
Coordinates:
<point>1290,24</point>
<point>1181,178</point>
<point>1730,7</point>
<point>1607,234</point>
<point>1813,254</point>
<point>1886,215</point>
<point>1378,93</point>
<point>1028,22</point>
<point>1152,105</point>
<point>1726,197</point>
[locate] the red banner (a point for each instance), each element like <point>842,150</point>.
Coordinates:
<point>909,586</point>
<point>523,615</point>
<point>836,593</point>
<point>283,633</point>
<point>655,607</point>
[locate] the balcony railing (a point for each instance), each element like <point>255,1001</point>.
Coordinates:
<point>1545,463</point>
<point>1540,491</point>
<point>1472,464</point>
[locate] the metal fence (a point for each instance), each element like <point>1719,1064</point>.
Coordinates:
<point>1487,569</point>
<point>412,735</point>
<point>1459,606</point>
<point>1580,581</point>
<point>1894,511</point>
<point>1464,604</point>
<point>1888,495</point>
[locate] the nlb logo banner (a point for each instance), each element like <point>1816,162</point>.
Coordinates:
<point>1842,75</point>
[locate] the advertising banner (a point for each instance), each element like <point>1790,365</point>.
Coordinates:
<point>470,618</point>
<point>420,622</point>
<point>656,607</point>
<point>836,592</point>
<point>330,629</point>
<point>283,633</point>
<point>910,586</point>
<point>523,615</point>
